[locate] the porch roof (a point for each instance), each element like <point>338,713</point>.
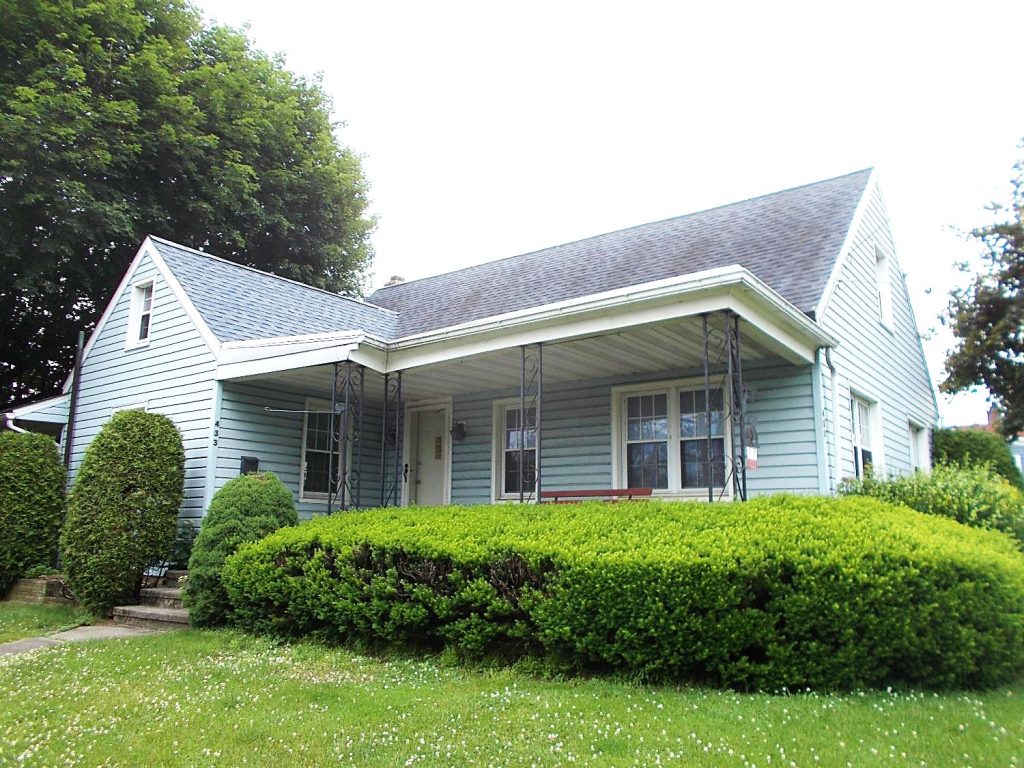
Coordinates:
<point>646,329</point>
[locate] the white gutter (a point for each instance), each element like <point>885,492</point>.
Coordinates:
<point>9,418</point>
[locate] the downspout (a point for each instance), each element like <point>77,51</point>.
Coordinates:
<point>835,418</point>
<point>9,418</point>
<point>821,446</point>
<point>76,380</point>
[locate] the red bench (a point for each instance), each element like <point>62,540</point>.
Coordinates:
<point>609,494</point>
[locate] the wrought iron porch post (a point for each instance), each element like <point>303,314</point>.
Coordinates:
<point>537,419</point>
<point>330,442</point>
<point>358,459</point>
<point>343,439</point>
<point>730,381</point>
<point>707,410</point>
<point>522,418</point>
<point>742,410</point>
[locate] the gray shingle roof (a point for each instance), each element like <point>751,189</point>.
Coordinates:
<point>789,239</point>
<point>239,303</point>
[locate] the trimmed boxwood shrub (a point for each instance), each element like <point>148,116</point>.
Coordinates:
<point>123,508</point>
<point>246,509</point>
<point>781,591</point>
<point>975,447</point>
<point>974,496</point>
<point>31,504</point>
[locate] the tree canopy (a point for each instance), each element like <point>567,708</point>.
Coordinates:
<point>987,318</point>
<point>122,118</point>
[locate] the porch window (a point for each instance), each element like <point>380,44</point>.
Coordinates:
<point>695,422</point>
<point>317,472</point>
<point>513,477</point>
<point>863,453</point>
<point>663,435</point>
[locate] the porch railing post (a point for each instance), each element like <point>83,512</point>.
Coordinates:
<point>358,460</point>
<point>742,410</point>
<point>540,403</point>
<point>522,418</point>
<point>331,440</point>
<point>707,410</point>
<point>384,443</point>
<point>343,441</point>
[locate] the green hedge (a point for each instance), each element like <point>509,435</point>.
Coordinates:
<point>780,591</point>
<point>974,496</point>
<point>123,508</point>
<point>247,508</point>
<point>31,504</point>
<point>973,448</point>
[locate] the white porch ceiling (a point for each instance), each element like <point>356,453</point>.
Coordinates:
<point>669,346</point>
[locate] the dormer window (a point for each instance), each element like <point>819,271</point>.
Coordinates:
<point>140,316</point>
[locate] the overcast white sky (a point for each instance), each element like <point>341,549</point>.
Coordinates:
<point>491,129</point>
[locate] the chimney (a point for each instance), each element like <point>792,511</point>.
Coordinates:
<point>395,280</point>
<point>993,419</point>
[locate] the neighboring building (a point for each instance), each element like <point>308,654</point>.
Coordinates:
<point>812,351</point>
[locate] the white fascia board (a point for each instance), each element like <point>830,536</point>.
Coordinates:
<point>29,409</point>
<point>654,302</point>
<point>261,349</point>
<point>343,336</point>
<point>179,292</point>
<point>851,233</point>
<point>284,362</point>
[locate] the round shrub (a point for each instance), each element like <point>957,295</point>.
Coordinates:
<point>974,496</point>
<point>776,592</point>
<point>31,504</point>
<point>246,509</point>
<point>123,508</point>
<point>975,447</point>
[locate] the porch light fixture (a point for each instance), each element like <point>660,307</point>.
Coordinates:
<point>458,431</point>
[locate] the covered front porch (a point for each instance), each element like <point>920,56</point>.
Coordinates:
<point>699,401</point>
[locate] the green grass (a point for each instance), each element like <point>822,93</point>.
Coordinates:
<point>21,620</point>
<point>219,698</point>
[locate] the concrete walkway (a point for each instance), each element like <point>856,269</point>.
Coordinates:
<point>76,635</point>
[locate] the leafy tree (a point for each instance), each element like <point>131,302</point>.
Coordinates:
<point>121,118</point>
<point>988,318</point>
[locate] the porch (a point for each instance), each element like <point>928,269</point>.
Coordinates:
<point>687,405</point>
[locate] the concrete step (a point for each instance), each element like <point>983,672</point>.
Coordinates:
<point>161,597</point>
<point>170,578</point>
<point>151,617</point>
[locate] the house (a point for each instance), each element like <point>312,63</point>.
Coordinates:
<point>768,345</point>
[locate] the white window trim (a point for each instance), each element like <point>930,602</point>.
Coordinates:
<point>143,406</point>
<point>672,387</point>
<point>132,339</point>
<point>407,448</point>
<point>876,441</point>
<point>498,450</point>
<point>315,404</point>
<point>883,280</point>
<point>919,448</point>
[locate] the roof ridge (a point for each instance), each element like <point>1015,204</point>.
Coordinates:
<point>765,195</point>
<point>229,263</point>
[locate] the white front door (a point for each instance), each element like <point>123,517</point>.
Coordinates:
<point>429,457</point>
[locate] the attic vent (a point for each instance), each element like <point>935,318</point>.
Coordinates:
<point>395,280</point>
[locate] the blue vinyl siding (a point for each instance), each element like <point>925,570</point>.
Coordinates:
<point>577,434</point>
<point>172,374</point>
<point>275,438</point>
<point>883,364</point>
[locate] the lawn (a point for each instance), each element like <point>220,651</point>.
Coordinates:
<point>219,698</point>
<point>20,620</point>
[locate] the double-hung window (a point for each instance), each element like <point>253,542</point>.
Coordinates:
<point>670,439</point>
<point>140,314</point>
<point>321,463</point>
<point>516,440</point>
<point>863,453</point>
